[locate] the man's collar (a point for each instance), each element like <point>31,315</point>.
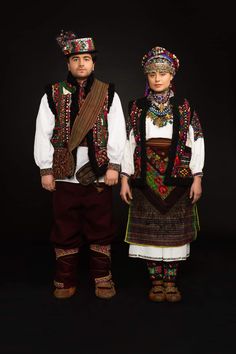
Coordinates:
<point>88,82</point>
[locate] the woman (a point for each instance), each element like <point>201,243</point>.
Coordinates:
<point>161,175</point>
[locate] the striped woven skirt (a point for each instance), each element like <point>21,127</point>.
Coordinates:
<point>161,215</point>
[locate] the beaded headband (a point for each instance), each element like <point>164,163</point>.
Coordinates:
<point>160,59</point>
<point>161,65</point>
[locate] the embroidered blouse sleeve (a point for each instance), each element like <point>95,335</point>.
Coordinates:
<point>127,164</point>
<point>43,149</point>
<point>197,144</point>
<point>116,131</point>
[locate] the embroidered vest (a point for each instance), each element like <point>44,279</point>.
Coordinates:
<point>178,171</point>
<point>62,99</point>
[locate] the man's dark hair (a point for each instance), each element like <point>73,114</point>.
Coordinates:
<point>93,55</point>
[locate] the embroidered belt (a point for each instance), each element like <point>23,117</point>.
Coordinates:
<point>160,146</point>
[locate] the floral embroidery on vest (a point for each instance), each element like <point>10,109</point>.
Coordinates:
<point>100,136</point>
<point>197,129</point>
<point>134,118</point>
<point>62,102</point>
<point>182,154</point>
<point>62,97</point>
<point>182,158</point>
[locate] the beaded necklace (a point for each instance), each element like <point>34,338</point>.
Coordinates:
<point>160,111</point>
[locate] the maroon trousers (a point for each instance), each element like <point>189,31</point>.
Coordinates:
<point>82,214</point>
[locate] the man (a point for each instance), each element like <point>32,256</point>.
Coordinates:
<point>79,142</point>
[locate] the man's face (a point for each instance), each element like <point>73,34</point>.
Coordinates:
<point>159,82</point>
<point>81,65</point>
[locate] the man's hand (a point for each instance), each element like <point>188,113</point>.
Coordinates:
<point>111,177</point>
<point>48,183</point>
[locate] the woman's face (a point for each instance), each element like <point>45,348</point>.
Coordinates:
<point>159,82</point>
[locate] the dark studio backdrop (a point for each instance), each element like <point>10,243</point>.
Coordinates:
<point>202,38</point>
<point>202,35</point>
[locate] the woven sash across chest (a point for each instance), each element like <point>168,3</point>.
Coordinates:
<point>87,116</point>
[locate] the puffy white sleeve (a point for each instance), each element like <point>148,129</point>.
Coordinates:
<point>127,164</point>
<point>198,153</point>
<point>116,132</point>
<point>45,122</point>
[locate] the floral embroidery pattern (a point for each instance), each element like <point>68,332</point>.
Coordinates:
<point>156,168</point>
<point>100,135</point>
<point>197,129</point>
<point>181,169</point>
<point>182,156</point>
<point>170,270</point>
<point>62,97</point>
<point>62,101</point>
<point>134,117</point>
<point>155,270</point>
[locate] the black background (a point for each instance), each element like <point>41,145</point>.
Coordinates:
<point>202,38</point>
<point>202,35</point>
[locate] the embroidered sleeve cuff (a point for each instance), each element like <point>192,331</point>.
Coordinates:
<point>200,174</point>
<point>46,171</point>
<point>114,166</point>
<point>124,174</point>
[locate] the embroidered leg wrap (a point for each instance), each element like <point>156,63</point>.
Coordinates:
<point>155,270</point>
<point>100,261</point>
<point>157,292</point>
<point>100,267</point>
<point>170,274</point>
<point>170,271</point>
<point>66,268</point>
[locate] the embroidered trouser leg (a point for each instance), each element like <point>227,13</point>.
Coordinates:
<point>100,266</point>
<point>83,214</point>
<point>66,268</point>
<point>99,231</point>
<point>155,270</point>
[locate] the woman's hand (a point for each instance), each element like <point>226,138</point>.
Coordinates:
<point>196,189</point>
<point>125,192</point>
